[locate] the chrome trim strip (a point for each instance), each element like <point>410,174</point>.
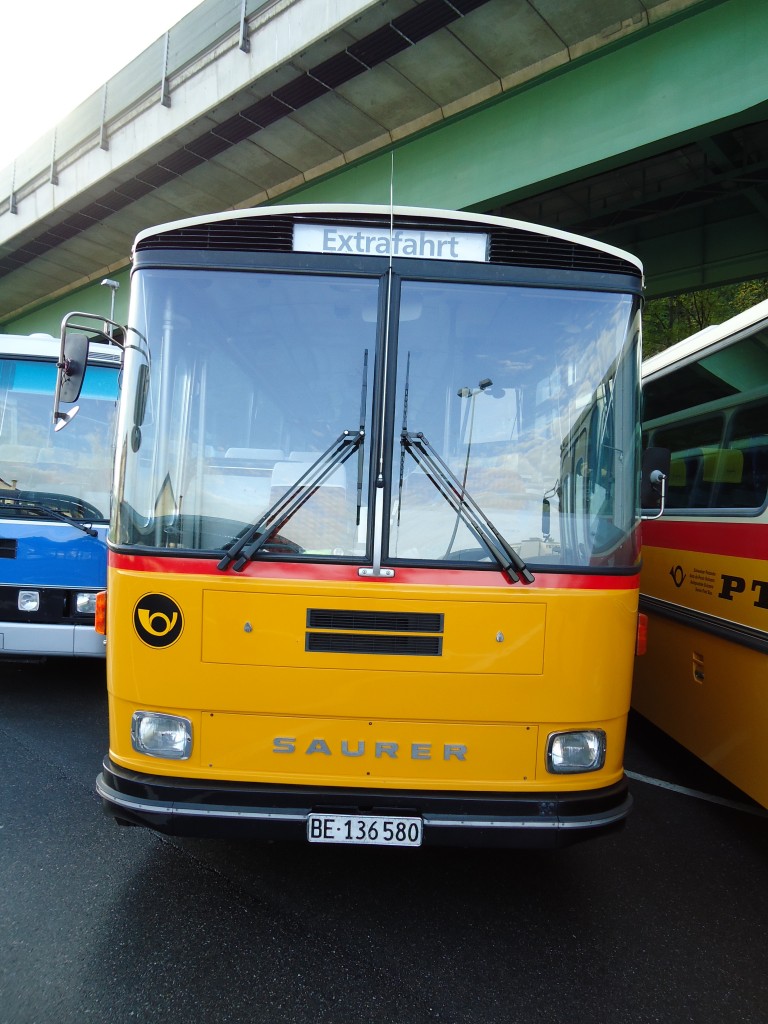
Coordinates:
<point>745,636</point>
<point>196,810</point>
<point>534,823</point>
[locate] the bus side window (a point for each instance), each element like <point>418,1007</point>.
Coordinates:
<point>678,484</point>
<point>722,472</point>
<point>690,443</point>
<point>755,477</point>
<point>748,441</point>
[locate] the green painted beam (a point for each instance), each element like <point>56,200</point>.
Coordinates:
<point>651,91</point>
<point>692,255</point>
<point>93,298</point>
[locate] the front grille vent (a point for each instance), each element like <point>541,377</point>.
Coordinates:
<point>248,234</point>
<point>517,247</point>
<point>8,547</point>
<point>389,622</point>
<point>371,643</point>
<point>351,631</point>
<point>508,246</point>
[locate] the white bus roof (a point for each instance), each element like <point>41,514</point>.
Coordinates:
<point>47,348</point>
<point>706,338</point>
<point>316,209</point>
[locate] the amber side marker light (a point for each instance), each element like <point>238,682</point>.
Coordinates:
<point>642,633</point>
<point>100,623</point>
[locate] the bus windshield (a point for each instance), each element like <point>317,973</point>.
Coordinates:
<point>245,380</point>
<point>70,475</point>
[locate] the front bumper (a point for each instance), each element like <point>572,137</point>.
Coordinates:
<point>207,808</point>
<point>45,640</point>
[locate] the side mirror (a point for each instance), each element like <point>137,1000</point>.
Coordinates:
<point>653,480</point>
<point>72,367</point>
<point>73,358</point>
<point>142,390</point>
<point>546,517</point>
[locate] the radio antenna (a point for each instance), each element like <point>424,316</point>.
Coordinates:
<point>391,204</point>
<point>376,569</point>
<point>387,317</point>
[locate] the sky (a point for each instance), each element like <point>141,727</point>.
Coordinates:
<point>56,53</point>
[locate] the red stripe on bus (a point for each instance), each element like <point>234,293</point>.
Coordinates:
<point>315,572</point>
<point>738,540</point>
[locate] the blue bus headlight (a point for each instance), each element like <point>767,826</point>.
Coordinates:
<point>578,751</point>
<point>85,603</point>
<point>29,601</point>
<point>159,735</point>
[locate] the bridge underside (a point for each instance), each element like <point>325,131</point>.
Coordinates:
<point>696,214</point>
<point>650,134</point>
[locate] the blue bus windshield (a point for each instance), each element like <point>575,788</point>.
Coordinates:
<point>70,470</point>
<point>40,378</point>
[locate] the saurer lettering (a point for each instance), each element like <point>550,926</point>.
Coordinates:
<point>380,749</point>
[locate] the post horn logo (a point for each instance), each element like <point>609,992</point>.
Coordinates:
<point>678,575</point>
<point>157,620</point>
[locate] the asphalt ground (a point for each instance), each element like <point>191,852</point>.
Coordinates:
<point>664,921</point>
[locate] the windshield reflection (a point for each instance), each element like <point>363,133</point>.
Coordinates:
<point>515,389</point>
<point>252,378</point>
<point>528,397</point>
<point>68,473</point>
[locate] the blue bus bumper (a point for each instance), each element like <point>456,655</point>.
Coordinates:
<point>39,640</point>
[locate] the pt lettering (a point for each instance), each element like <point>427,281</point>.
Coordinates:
<point>737,585</point>
<point>761,586</point>
<point>731,585</point>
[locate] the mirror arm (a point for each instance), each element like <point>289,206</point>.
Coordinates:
<point>109,338</point>
<point>658,480</point>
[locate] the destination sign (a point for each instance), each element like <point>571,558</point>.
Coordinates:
<point>349,240</point>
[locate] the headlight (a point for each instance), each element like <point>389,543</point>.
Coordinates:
<point>159,735</point>
<point>582,751</point>
<point>85,604</point>
<point>29,601</point>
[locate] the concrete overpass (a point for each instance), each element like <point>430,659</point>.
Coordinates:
<point>640,122</point>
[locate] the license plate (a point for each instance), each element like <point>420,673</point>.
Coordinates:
<point>364,830</point>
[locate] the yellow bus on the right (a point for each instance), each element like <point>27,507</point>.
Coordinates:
<point>704,582</point>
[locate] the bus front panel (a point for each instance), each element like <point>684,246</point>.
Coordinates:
<point>375,536</point>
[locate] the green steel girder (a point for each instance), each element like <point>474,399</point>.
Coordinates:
<point>686,81</point>
<point>646,94</point>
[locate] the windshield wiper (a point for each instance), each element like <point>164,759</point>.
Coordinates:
<point>462,503</point>
<point>245,547</point>
<point>27,505</point>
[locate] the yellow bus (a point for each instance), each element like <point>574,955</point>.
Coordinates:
<point>704,584</point>
<point>374,553</point>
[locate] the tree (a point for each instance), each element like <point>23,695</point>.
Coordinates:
<point>675,317</point>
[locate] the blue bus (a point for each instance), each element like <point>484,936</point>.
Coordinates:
<point>54,501</point>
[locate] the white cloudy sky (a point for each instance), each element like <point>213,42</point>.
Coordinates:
<point>55,53</point>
